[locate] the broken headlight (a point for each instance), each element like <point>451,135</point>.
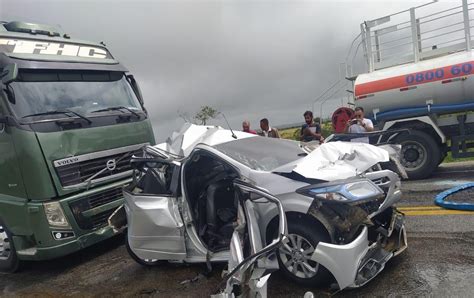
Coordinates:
<point>345,192</point>
<point>55,215</point>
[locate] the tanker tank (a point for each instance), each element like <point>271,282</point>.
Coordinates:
<point>439,85</point>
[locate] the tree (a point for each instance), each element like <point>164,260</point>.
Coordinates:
<point>205,113</point>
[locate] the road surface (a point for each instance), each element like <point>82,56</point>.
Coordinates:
<point>439,261</point>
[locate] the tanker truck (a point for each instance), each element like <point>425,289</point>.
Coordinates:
<point>71,117</point>
<point>419,82</point>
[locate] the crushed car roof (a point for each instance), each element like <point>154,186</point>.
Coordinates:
<point>182,142</point>
<point>329,161</point>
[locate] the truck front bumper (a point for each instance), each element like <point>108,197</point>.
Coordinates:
<point>356,263</point>
<point>65,248</point>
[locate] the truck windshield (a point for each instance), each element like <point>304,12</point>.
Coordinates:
<point>36,94</point>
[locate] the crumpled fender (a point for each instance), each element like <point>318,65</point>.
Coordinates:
<point>342,260</point>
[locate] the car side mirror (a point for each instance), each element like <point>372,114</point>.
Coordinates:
<point>135,88</point>
<point>9,73</point>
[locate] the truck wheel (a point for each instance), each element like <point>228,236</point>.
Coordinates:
<point>143,262</point>
<point>442,155</point>
<point>8,259</point>
<point>420,154</point>
<point>294,256</point>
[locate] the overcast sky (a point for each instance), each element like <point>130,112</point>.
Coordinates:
<point>247,59</point>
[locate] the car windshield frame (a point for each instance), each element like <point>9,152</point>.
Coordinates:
<point>261,153</point>
<point>82,92</point>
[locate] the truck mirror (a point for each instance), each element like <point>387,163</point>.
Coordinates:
<point>135,88</point>
<point>9,73</point>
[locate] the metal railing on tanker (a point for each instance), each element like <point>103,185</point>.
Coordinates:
<point>427,31</point>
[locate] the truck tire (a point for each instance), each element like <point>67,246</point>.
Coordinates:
<point>9,261</point>
<point>293,256</point>
<point>442,157</point>
<point>420,154</point>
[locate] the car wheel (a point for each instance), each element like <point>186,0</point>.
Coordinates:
<point>420,154</point>
<point>294,256</point>
<point>143,262</point>
<point>8,259</point>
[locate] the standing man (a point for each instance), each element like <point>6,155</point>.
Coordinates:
<point>246,127</point>
<point>310,131</point>
<point>359,124</point>
<point>267,131</point>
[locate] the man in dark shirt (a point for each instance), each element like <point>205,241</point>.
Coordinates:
<point>310,131</point>
<point>268,131</point>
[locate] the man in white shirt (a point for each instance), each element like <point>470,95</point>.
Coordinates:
<point>359,125</point>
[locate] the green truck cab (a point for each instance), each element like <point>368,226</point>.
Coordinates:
<point>71,117</point>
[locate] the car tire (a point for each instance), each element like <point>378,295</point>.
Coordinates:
<point>293,257</point>
<point>420,154</point>
<point>9,261</point>
<point>143,262</point>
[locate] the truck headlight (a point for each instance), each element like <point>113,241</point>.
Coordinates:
<point>55,215</point>
<point>349,192</point>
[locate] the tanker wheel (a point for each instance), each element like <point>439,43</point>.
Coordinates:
<point>442,155</point>
<point>420,154</point>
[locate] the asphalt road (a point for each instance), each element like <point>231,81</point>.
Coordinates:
<point>439,261</point>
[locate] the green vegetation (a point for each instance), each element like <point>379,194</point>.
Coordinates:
<point>449,158</point>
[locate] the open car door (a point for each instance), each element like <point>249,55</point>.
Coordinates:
<point>155,227</point>
<point>250,261</point>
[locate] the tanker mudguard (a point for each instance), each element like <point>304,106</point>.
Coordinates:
<point>425,119</point>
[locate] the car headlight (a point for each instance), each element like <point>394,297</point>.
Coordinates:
<point>350,192</point>
<point>55,215</point>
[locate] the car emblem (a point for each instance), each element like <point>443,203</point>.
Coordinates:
<point>111,164</point>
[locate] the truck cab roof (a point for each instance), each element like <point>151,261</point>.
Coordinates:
<point>29,44</point>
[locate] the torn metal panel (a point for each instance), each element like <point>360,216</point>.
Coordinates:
<point>118,219</point>
<point>183,142</point>
<point>394,164</point>
<point>342,260</point>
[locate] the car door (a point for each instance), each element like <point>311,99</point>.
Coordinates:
<point>251,262</point>
<point>155,226</point>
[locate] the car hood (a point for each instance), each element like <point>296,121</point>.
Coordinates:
<point>339,160</point>
<point>182,142</point>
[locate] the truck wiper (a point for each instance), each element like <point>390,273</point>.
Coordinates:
<point>65,112</point>
<point>117,108</point>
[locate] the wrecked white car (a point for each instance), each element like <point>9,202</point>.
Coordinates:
<point>193,194</point>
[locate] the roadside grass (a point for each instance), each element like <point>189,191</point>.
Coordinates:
<point>294,134</point>
<point>449,158</point>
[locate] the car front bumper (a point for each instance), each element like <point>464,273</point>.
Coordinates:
<point>356,263</point>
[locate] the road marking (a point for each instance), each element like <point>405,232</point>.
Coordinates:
<point>431,210</point>
<point>408,208</point>
<point>437,212</point>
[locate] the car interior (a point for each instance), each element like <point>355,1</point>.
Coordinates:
<point>156,179</point>
<point>210,193</point>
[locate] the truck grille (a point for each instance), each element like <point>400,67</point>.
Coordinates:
<point>106,166</point>
<point>99,199</point>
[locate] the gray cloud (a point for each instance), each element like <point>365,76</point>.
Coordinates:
<point>248,59</point>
